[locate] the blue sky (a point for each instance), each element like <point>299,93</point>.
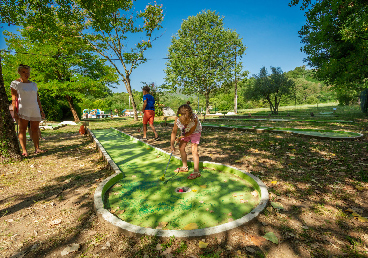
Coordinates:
<point>269,30</point>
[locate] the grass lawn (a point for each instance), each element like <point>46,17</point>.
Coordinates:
<point>322,186</point>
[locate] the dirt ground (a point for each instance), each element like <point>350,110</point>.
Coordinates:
<point>46,202</point>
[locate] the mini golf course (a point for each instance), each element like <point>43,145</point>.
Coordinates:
<point>134,199</point>
<point>278,120</point>
<point>318,133</point>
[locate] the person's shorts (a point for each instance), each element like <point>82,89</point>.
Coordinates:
<point>194,138</point>
<point>148,117</point>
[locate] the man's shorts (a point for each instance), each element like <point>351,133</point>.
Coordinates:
<point>148,116</point>
<point>194,138</point>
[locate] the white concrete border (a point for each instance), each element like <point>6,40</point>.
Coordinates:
<point>129,228</point>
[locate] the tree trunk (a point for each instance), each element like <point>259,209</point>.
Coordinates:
<point>207,102</point>
<point>276,106</point>
<point>129,90</point>
<point>271,105</point>
<point>9,146</point>
<point>72,108</point>
<point>236,97</point>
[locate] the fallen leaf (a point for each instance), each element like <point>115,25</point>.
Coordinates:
<point>211,211</point>
<point>167,251</point>
<point>120,211</point>
<point>204,186</point>
<point>361,219</point>
<point>207,209</point>
<point>191,226</point>
<point>355,214</point>
<point>194,190</point>
<point>55,222</point>
<point>270,236</point>
<point>161,225</point>
<point>243,201</point>
<point>257,240</point>
<point>277,205</point>
<point>202,244</point>
<point>201,201</point>
<point>359,188</point>
<point>158,247</point>
<point>70,249</point>
<point>273,182</point>
<point>254,193</point>
<point>229,214</point>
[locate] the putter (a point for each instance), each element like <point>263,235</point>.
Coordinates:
<point>163,177</point>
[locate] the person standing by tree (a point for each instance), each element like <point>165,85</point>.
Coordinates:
<point>148,112</point>
<point>27,107</point>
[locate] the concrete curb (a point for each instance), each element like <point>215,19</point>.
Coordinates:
<point>122,226</point>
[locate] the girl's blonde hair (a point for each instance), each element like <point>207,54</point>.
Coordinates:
<point>185,113</point>
<point>21,66</point>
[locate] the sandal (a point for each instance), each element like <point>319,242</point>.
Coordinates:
<point>144,139</point>
<point>182,169</point>
<point>157,138</point>
<point>194,175</point>
<point>25,155</point>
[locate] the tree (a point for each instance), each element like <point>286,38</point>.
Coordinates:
<point>336,41</point>
<point>13,12</point>
<point>202,56</point>
<point>62,65</point>
<point>109,32</point>
<point>270,87</point>
<point>44,14</point>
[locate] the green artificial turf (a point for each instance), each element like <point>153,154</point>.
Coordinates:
<point>142,199</point>
<point>310,132</point>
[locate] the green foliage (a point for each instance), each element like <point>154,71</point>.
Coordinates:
<point>108,33</point>
<point>271,88</point>
<point>335,37</point>
<point>62,66</point>
<point>202,56</point>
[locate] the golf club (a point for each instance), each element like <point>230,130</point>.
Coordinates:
<point>163,177</point>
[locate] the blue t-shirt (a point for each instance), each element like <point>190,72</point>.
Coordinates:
<point>150,102</point>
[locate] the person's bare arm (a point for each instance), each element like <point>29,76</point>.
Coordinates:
<point>40,106</point>
<point>173,135</point>
<point>144,105</point>
<point>14,94</point>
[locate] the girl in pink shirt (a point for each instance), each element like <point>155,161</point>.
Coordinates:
<point>191,129</point>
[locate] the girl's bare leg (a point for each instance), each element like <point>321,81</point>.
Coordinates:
<point>183,154</point>
<point>195,157</point>
<point>23,135</point>
<point>36,141</point>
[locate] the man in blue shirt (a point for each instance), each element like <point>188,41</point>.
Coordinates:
<point>148,112</point>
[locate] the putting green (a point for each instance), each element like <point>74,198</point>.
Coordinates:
<point>310,132</point>
<point>140,198</point>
